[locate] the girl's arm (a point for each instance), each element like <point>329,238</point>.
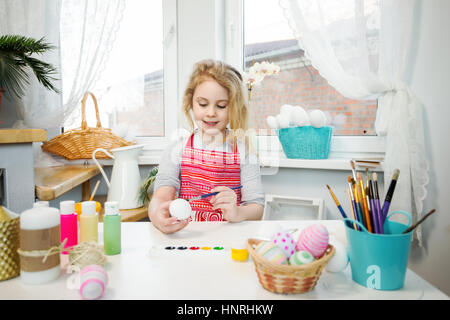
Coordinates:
<point>158,211</point>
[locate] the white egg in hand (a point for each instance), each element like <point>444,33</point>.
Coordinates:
<point>339,260</point>
<point>180,209</point>
<point>317,118</point>
<point>299,116</point>
<point>283,121</point>
<point>272,122</point>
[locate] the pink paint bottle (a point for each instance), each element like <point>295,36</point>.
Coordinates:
<point>69,227</point>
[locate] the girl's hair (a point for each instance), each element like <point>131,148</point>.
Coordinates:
<point>229,78</point>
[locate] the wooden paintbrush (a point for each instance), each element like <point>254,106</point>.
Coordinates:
<point>95,190</point>
<point>419,222</point>
<point>337,203</point>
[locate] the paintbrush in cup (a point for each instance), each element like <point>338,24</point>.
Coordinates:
<point>419,222</point>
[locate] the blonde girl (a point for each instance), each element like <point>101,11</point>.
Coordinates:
<point>215,157</point>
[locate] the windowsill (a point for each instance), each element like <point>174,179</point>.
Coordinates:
<point>153,157</point>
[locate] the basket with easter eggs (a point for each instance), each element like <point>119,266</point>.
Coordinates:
<point>302,134</point>
<point>289,265</point>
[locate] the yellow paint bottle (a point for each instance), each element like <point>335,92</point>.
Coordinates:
<point>88,222</point>
<point>239,250</point>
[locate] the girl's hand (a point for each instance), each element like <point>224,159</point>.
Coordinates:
<point>162,220</point>
<point>226,200</point>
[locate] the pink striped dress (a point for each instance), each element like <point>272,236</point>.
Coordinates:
<point>201,171</point>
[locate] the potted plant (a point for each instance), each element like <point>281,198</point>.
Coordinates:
<point>16,61</point>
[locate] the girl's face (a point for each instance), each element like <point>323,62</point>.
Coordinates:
<point>210,107</point>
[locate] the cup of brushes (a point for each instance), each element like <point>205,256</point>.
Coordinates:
<point>378,248</point>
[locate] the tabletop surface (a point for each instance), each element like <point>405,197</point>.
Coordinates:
<point>146,270</point>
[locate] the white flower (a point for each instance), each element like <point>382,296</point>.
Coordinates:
<point>257,72</point>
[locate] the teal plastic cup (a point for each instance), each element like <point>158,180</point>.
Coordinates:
<point>379,261</point>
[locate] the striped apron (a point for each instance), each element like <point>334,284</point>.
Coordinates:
<point>203,170</point>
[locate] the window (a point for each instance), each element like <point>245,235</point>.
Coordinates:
<point>132,89</point>
<point>268,37</point>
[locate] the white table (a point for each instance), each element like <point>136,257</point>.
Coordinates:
<point>146,270</point>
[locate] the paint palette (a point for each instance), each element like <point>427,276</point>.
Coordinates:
<point>189,248</point>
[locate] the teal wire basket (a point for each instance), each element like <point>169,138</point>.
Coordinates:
<point>306,142</point>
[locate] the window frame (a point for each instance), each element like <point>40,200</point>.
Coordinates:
<point>170,83</point>
<point>341,146</point>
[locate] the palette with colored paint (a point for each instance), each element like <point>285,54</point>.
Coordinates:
<point>191,248</point>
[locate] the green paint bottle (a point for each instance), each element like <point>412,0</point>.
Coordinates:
<point>111,228</point>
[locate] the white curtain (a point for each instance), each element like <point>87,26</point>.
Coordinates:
<point>362,48</point>
<point>35,18</point>
<point>83,31</point>
<point>88,32</point>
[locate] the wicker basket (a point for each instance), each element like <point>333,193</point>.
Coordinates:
<point>79,143</point>
<point>288,278</point>
<point>9,243</point>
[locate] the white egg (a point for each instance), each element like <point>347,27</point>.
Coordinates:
<point>328,118</point>
<point>180,208</point>
<point>272,122</point>
<point>286,109</point>
<point>267,231</point>
<point>339,260</point>
<point>300,116</point>
<point>283,121</point>
<point>317,118</point>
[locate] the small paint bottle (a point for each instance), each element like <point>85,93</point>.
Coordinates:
<point>69,223</point>
<point>88,222</point>
<point>239,250</point>
<point>111,228</point>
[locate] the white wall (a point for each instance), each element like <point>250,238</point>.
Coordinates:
<point>430,80</point>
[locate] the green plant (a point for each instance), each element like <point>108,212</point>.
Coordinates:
<point>143,189</point>
<point>16,60</point>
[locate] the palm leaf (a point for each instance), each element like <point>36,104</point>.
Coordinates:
<point>16,61</point>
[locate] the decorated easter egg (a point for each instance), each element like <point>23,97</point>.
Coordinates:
<point>285,241</point>
<point>93,280</point>
<point>283,121</point>
<point>301,257</point>
<point>317,118</point>
<point>339,260</point>
<point>313,239</point>
<point>272,122</point>
<point>180,208</point>
<point>271,252</point>
<point>299,116</point>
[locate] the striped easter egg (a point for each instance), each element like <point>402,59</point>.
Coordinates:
<point>270,251</point>
<point>301,257</point>
<point>313,239</point>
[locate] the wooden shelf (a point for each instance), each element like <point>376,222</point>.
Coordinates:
<point>128,215</point>
<point>22,135</point>
<point>51,182</point>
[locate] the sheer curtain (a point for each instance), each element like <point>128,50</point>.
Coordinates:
<point>88,32</point>
<point>83,32</point>
<point>362,48</point>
